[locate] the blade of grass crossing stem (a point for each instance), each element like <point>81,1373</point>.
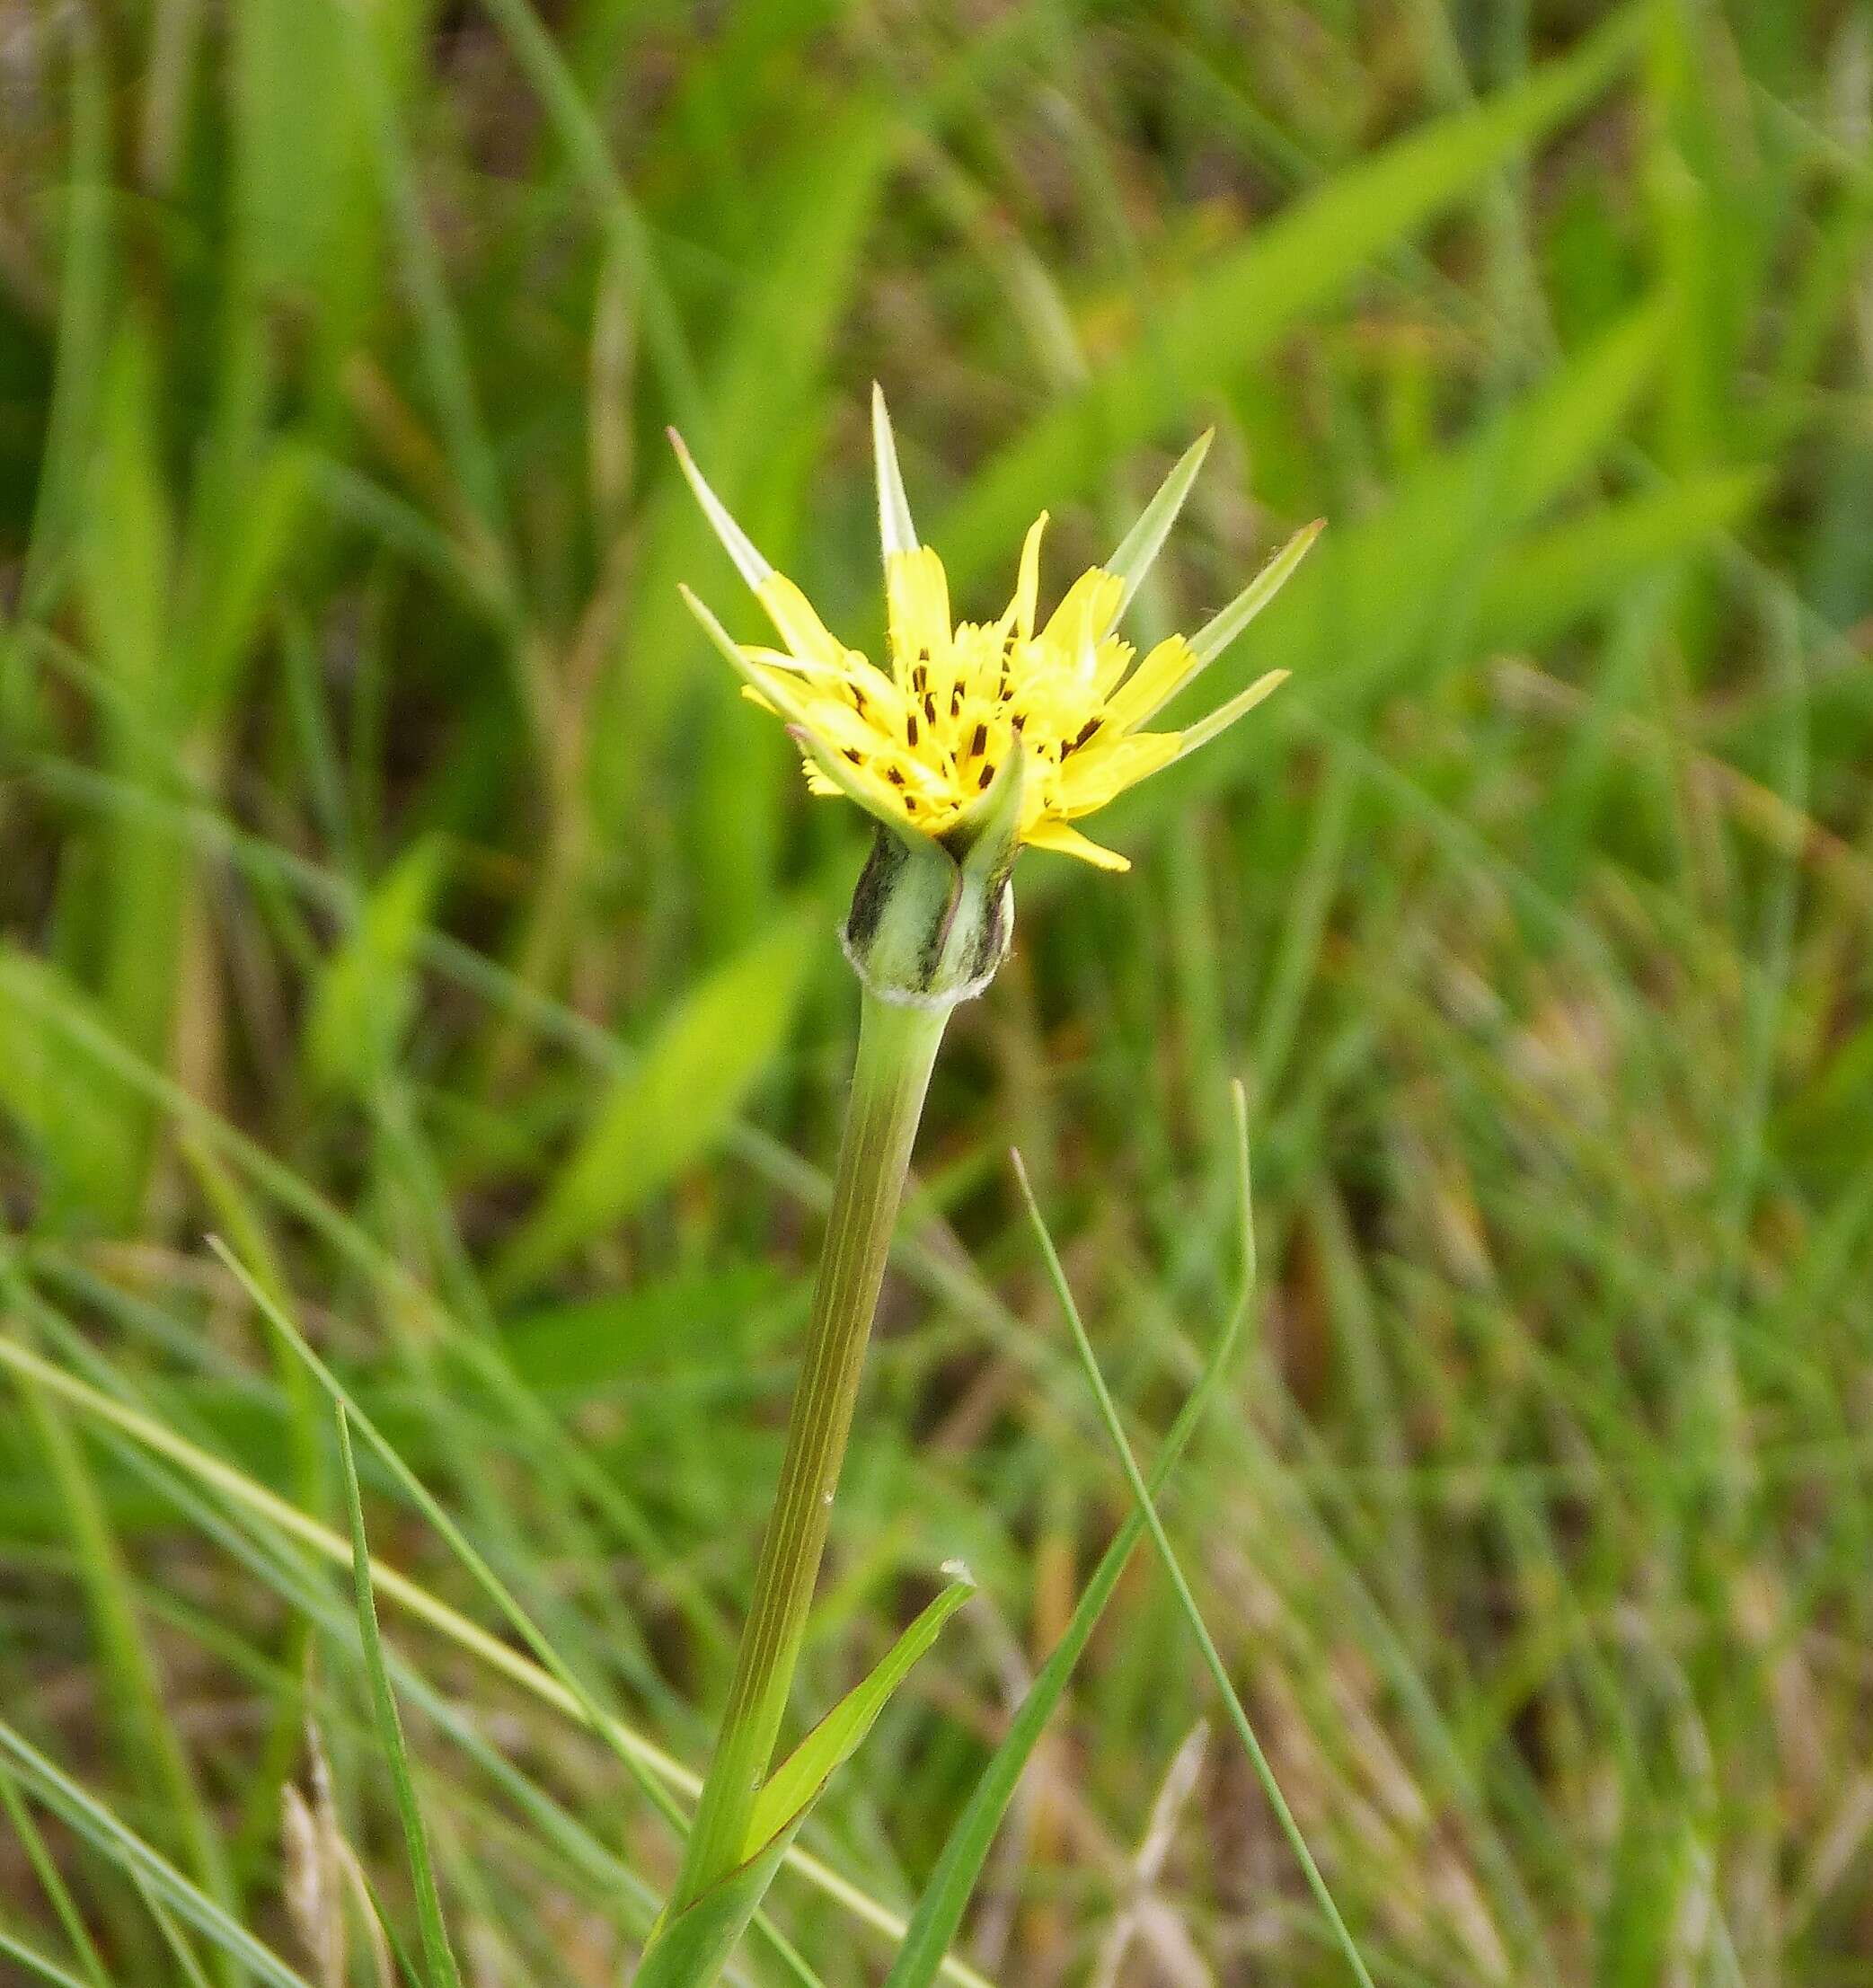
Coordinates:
<point>695,1946</point>
<point>605,1725</point>
<point>946,1896</point>
<point>441,1958</point>
<point>452,1716</point>
<point>1212,1656</point>
<point>790,1789</point>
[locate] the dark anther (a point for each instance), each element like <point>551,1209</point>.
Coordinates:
<point>895,775</point>
<point>1086,732</point>
<point>979,743</point>
<point>984,776</point>
<point>910,728</point>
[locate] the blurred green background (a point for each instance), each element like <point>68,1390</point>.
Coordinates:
<point>395,887</point>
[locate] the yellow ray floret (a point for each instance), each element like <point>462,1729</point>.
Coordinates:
<point>918,744</point>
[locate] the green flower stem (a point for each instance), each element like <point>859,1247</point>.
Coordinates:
<point>898,1045</point>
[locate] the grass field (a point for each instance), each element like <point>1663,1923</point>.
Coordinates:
<point>396,892</point>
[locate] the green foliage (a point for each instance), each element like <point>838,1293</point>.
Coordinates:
<point>694,1076</point>
<point>691,1950</point>
<point>396,884</point>
<point>362,1000</point>
<point>440,1969</point>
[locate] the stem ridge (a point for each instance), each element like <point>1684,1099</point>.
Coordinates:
<point>897,1046</point>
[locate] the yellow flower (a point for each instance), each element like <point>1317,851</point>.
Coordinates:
<point>919,745</point>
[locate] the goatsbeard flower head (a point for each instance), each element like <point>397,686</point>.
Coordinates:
<point>980,738</point>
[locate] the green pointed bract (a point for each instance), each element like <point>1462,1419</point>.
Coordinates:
<point>1141,546</point>
<point>750,561</point>
<point>1216,634</point>
<point>932,919</point>
<point>895,531</point>
<point>689,1947</point>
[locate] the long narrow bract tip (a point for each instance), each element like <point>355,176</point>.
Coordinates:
<point>749,562</point>
<point>1141,546</point>
<point>1214,636</point>
<point>897,532</point>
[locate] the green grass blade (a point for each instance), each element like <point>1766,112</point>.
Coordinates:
<point>600,1719</point>
<point>285,1523</point>
<point>174,1938</point>
<point>37,1967</point>
<point>940,1908</point>
<point>684,1095</point>
<point>51,1879</point>
<point>147,1735</point>
<point>84,318</point>
<point>691,1950</point>
<point>80,1121</point>
<point>796,1782</point>
<point>583,136</point>
<point>1551,579</point>
<point>88,1817</point>
<point>1231,315</point>
<point>437,1950</point>
<point>1375,592</point>
<point>362,998</point>
<point>1187,1601</point>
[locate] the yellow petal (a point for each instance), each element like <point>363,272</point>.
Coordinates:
<point>857,783</point>
<point>1069,842</point>
<point>1155,681</point>
<point>917,594</point>
<point>801,628</point>
<point>1111,659</point>
<point>1105,769</point>
<point>1085,617</point>
<point>1026,585</point>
